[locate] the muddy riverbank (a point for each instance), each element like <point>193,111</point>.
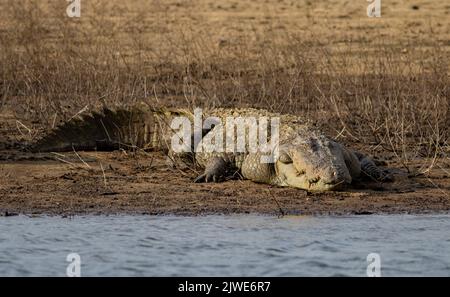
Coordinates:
<point>119,182</point>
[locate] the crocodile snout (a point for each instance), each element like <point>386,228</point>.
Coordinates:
<point>336,178</point>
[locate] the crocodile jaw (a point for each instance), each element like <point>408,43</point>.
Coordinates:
<point>287,175</point>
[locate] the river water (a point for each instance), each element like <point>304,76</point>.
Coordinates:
<point>237,245</point>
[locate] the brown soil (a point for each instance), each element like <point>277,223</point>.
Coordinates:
<point>144,184</point>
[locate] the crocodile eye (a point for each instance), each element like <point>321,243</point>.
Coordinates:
<point>284,158</point>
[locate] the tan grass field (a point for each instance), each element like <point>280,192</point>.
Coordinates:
<point>377,84</point>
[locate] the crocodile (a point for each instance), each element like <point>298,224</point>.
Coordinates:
<point>306,159</point>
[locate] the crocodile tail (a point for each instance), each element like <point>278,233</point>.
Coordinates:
<point>103,131</point>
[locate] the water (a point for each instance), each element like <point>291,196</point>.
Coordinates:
<point>225,245</point>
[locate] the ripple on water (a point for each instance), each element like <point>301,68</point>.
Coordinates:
<point>225,245</point>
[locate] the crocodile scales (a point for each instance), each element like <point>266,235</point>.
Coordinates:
<point>307,158</point>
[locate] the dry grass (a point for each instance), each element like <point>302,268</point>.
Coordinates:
<point>366,82</point>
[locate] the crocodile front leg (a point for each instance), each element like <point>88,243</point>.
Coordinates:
<point>215,171</point>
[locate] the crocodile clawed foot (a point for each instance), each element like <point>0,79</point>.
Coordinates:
<point>388,176</point>
<point>208,177</point>
<point>214,171</point>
